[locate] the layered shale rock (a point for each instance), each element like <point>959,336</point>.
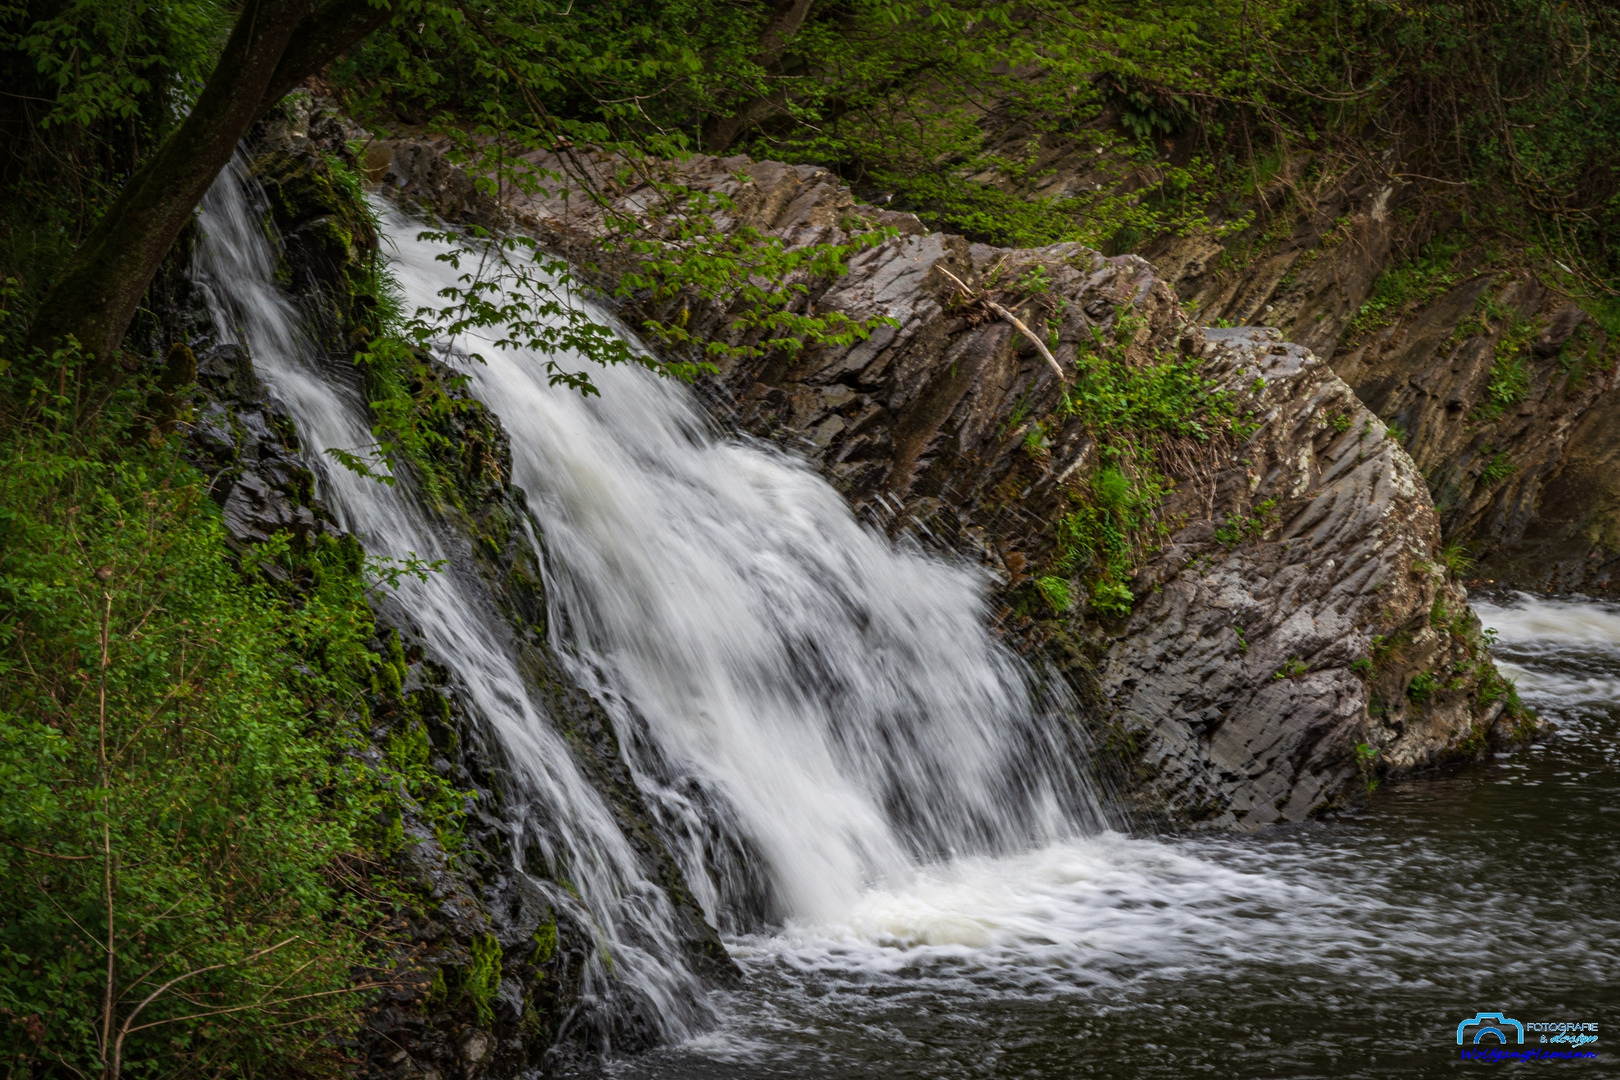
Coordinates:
<point>1309,636</point>
<point>1294,632</point>
<point>1502,388</point>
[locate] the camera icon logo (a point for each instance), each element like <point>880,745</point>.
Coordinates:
<point>1490,1024</point>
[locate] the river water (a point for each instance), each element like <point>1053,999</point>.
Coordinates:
<point>1350,948</point>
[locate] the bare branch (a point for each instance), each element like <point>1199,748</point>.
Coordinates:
<point>126,1028</point>
<point>1010,318</point>
<point>45,854</point>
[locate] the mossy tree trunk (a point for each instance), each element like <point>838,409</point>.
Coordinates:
<point>274,46</point>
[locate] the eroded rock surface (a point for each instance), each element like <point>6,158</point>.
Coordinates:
<point>1295,634</point>
<point>1238,670</point>
<point>1503,389</point>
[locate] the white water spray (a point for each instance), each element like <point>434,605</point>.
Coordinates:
<point>791,688</point>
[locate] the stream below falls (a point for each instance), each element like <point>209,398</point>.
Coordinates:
<point>1344,949</point>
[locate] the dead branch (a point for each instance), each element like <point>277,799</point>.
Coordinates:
<point>1008,317</point>
<point>46,854</point>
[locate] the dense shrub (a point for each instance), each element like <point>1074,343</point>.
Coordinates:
<point>185,823</point>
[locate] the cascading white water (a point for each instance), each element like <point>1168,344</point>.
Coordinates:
<point>796,695</point>
<point>235,268</point>
<point>792,689</point>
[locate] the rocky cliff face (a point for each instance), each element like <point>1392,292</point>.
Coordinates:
<point>1302,637</point>
<point>1291,631</point>
<point>1501,388</point>
<point>490,956</point>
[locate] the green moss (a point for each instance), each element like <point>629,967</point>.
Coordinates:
<point>389,680</point>
<point>545,941</point>
<point>481,977</point>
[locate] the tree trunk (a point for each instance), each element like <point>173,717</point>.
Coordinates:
<point>275,45</point>
<point>719,132</point>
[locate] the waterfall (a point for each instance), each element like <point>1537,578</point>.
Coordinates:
<point>814,714</point>
<point>813,711</point>
<point>235,270</point>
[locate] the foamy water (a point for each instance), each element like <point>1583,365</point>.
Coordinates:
<point>1337,949</point>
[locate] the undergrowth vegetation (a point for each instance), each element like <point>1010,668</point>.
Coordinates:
<point>190,822</point>
<point>1169,117</point>
<point>1139,415</point>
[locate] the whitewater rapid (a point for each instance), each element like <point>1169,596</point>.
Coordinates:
<point>1336,949</point>
<point>553,807</point>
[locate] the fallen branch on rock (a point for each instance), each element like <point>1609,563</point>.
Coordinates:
<point>1009,317</point>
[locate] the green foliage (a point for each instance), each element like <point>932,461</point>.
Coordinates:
<point>179,743</point>
<point>1240,527</point>
<point>1510,381</point>
<point>1134,410</point>
<point>1367,761</point>
<point>1035,441</point>
<point>1498,467</point>
<point>1494,687</point>
<point>89,87</point>
<point>1422,687</point>
<point>1454,556</point>
<point>1111,598</point>
<point>737,268</point>
<point>1056,591</point>
<point>481,977</point>
<point>1293,669</point>
<point>1362,665</point>
<point>1408,284</point>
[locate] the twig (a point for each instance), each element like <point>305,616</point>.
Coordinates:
<point>117,1048</point>
<point>1015,321</point>
<point>46,854</point>
<point>110,997</point>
